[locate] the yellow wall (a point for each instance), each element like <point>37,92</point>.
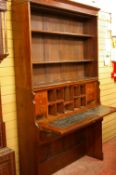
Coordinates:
<point>108,87</point>
<point>7,82</point>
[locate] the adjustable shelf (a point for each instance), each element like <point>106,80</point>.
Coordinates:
<point>60,84</point>
<point>62,34</point>
<point>63,62</point>
<point>54,102</point>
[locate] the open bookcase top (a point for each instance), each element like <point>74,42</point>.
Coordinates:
<point>63,43</point>
<point>69,6</point>
<point>64,63</point>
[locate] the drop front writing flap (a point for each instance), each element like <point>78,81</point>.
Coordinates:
<point>76,121</point>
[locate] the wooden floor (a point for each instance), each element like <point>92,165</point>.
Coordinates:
<point>90,166</point>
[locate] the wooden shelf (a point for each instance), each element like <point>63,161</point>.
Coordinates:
<point>65,10</point>
<point>62,83</point>
<point>63,34</point>
<point>79,96</point>
<point>55,102</point>
<point>63,62</point>
<point>68,102</point>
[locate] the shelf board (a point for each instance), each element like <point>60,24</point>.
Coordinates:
<point>63,34</point>
<point>68,102</point>
<point>63,62</point>
<point>79,96</point>
<point>50,85</point>
<point>50,103</point>
<point>68,10</point>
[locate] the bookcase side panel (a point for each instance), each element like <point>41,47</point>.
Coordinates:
<point>24,96</point>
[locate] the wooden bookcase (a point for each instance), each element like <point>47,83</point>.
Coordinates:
<point>58,96</point>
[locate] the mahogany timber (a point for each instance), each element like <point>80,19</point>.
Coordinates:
<point>56,66</point>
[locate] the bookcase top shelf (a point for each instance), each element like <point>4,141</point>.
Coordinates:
<point>73,8</point>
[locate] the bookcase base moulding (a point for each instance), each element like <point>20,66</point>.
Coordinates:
<point>57,89</point>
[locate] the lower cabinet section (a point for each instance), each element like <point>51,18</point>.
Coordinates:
<point>7,162</point>
<point>63,150</point>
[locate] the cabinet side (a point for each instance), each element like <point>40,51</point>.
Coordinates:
<point>24,97</point>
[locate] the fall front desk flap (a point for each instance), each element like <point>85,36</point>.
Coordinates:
<point>76,121</point>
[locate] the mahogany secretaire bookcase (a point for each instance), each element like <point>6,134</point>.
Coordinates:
<point>58,96</point>
<point>7,160</point>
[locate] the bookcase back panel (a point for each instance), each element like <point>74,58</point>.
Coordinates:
<point>90,69</point>
<point>90,49</point>
<point>53,22</point>
<point>37,21</point>
<point>64,49</point>
<point>45,49</point>
<point>90,26</point>
<point>46,74</point>
<point>38,49</point>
